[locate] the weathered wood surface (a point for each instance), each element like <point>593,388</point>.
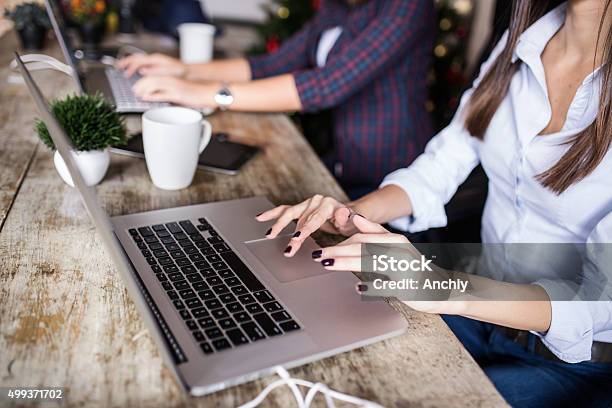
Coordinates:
<point>66,319</point>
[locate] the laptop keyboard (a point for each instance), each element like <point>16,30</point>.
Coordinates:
<point>221,301</point>
<point>125,100</point>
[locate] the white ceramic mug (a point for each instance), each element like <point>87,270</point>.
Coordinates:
<point>173,139</point>
<point>196,42</point>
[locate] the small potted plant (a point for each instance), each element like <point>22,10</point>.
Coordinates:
<point>93,125</point>
<point>89,17</point>
<point>31,22</point>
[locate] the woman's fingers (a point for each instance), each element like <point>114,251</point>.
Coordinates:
<point>289,214</point>
<point>345,263</point>
<point>271,214</point>
<point>337,251</point>
<point>368,227</point>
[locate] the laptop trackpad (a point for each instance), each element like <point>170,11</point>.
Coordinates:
<point>300,266</point>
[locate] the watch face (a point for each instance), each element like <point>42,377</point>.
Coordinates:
<point>224,97</point>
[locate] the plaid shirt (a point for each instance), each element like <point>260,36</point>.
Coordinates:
<point>374,80</point>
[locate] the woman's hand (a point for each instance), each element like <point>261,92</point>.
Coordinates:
<point>175,90</point>
<point>152,64</point>
<point>318,212</point>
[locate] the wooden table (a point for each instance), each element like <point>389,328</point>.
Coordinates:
<point>66,319</point>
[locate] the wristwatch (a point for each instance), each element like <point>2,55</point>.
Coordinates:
<point>224,98</point>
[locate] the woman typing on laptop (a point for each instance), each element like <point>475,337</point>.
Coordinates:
<point>366,60</point>
<point>539,121</point>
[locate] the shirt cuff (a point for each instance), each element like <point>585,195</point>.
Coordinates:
<point>427,209</point>
<point>570,336</point>
<point>309,90</point>
<point>258,66</point>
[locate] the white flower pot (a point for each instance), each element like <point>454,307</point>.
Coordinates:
<point>92,165</point>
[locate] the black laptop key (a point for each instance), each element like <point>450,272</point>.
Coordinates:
<point>234,307</point>
<point>202,244</point>
<point>170,268</point>
<point>241,317</point>
<point>220,289</point>
<point>176,276</point>
<point>193,303</point>
<point>208,273</point>
<point>146,253</point>
<point>185,243</point>
<point>263,296</point>
<point>189,250</point>
<point>196,257</point>
<point>167,240</point>
<point>167,285</point>
<point>151,260</point>
<point>173,227</point>
<point>145,231</point>
<point>194,277</point>
<point>219,313</point>
<point>173,247</point>
<point>241,270</point>
<point>197,237</point>
<point>239,290</point>
<point>215,240</point>
<point>165,261</point>
<point>237,337</point>
<point>187,293</point>
<point>221,344</point>
<point>213,258</point>
<point>280,316</point>
<point>212,303</point>
<point>200,312</point>
<point>172,294</point>
<point>160,253</point>
<point>188,269</point>
<point>214,280</point>
<point>253,331</point>
<point>178,304</point>
<point>137,238</point>
<point>161,277</point>
<point>267,324</point>
<point>202,227</point>
<point>254,308</point>
<point>206,322</point>
<point>289,326</point>
<point>155,246</point>
<point>191,324</point>
<point>225,273</point>
<point>206,348</point>
<point>203,222</point>
<point>177,254</point>
<point>183,262</point>
<point>207,251</point>
<point>151,239</point>
<point>201,264</point>
<point>180,236</point>
<point>158,227</point>
<point>198,286</point>
<point>226,298</point>
<point>227,323</point>
<point>133,231</point>
<point>156,268</point>
<point>185,314</point>
<point>273,307</point>
<point>206,295</point>
<point>142,245</point>
<point>181,285</point>
<point>218,265</point>
<point>220,248</point>
<point>188,227</point>
<point>163,233</point>
<point>213,332</point>
<point>199,336</point>
<point>233,281</point>
<point>246,299</point>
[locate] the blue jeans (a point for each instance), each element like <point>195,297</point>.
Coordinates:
<point>524,378</point>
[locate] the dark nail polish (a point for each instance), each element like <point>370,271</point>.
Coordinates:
<point>297,234</point>
<point>258,214</point>
<point>362,288</point>
<point>269,231</point>
<point>327,262</point>
<point>288,249</point>
<point>316,254</point>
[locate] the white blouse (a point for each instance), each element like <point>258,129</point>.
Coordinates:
<point>326,43</point>
<point>518,208</point>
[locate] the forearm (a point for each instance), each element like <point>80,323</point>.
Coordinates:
<point>522,315</point>
<point>384,205</point>
<point>230,70</point>
<point>275,94</point>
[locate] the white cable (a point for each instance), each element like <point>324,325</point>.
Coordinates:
<point>36,62</point>
<point>302,402</point>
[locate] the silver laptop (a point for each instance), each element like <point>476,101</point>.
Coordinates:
<point>223,304</point>
<point>105,79</point>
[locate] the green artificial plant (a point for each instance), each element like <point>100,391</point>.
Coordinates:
<point>30,13</point>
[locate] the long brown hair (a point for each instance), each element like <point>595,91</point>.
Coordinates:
<point>588,147</point>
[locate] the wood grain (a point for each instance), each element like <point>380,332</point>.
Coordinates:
<point>66,319</point>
